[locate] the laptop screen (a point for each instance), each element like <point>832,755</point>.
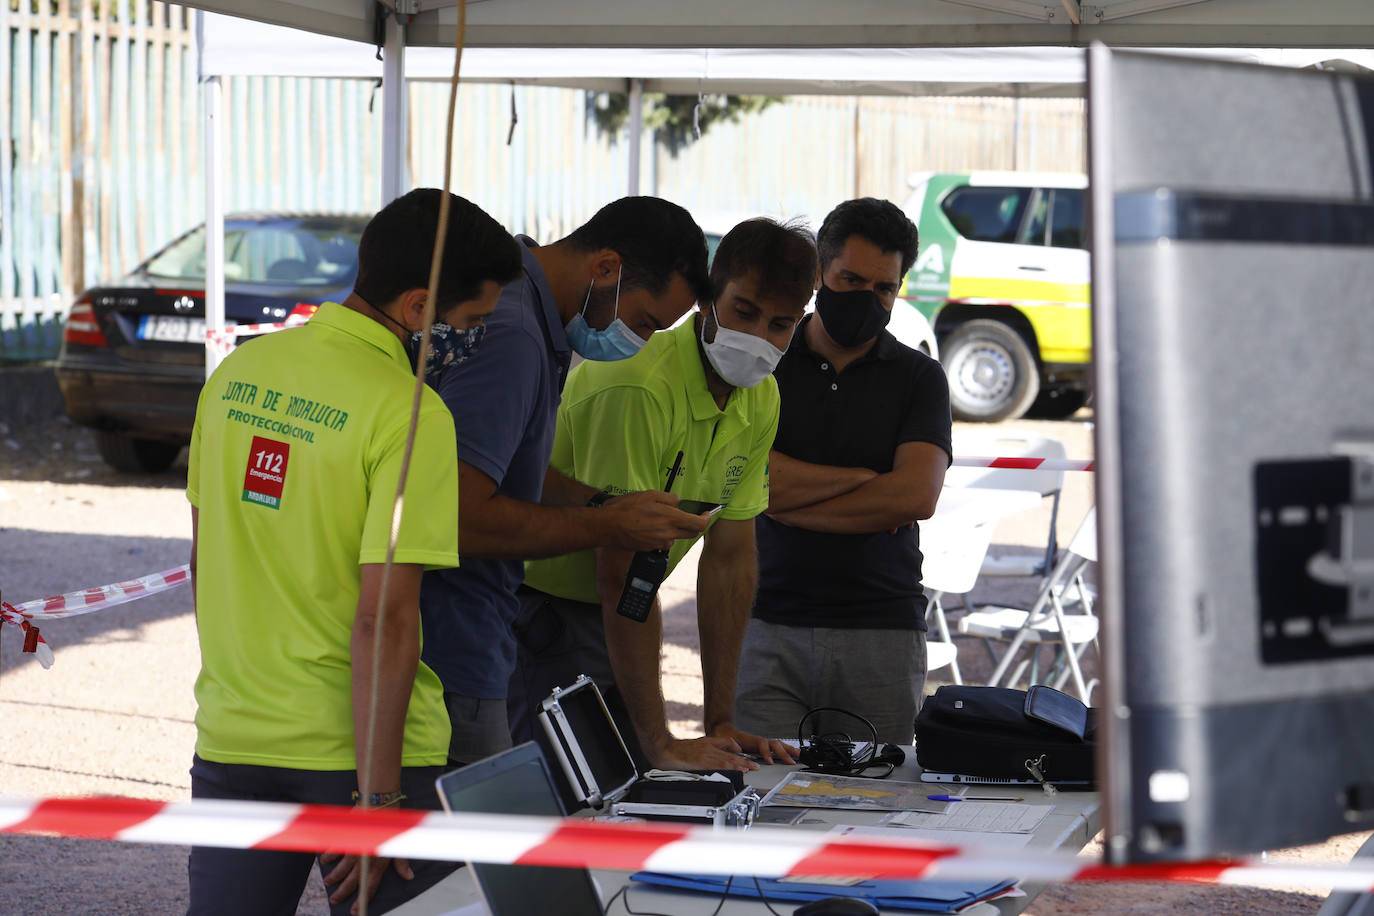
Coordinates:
<point>598,740</point>
<point>518,782</point>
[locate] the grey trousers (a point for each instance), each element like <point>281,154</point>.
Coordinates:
<point>479,728</point>
<point>785,671</point>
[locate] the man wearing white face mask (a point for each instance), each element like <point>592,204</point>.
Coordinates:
<point>633,268</point>
<point>705,390</point>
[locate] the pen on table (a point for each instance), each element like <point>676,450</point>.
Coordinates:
<point>949,798</point>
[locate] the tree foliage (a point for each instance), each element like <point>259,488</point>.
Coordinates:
<point>674,119</point>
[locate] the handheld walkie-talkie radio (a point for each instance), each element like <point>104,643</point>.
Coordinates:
<point>647,571</point>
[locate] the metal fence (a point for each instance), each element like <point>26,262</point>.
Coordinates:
<point>807,154</point>
<point>100,151</point>
<point>98,145</point>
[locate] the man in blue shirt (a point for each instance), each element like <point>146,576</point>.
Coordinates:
<point>699,408</point>
<point>635,267</point>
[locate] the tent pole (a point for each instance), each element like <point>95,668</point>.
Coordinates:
<point>214,218</point>
<point>395,130</point>
<point>653,163</point>
<point>1016,127</point>
<point>636,132</point>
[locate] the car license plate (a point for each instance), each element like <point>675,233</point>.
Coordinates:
<point>172,328</point>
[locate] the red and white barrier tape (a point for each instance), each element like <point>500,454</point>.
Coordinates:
<point>95,599</point>
<point>224,341</point>
<point>74,604</point>
<point>519,840</point>
<point>1027,464</point>
<point>33,640</point>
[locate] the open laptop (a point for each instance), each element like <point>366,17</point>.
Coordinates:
<point>517,781</point>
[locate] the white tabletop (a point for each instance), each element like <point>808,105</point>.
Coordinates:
<point>1074,821</point>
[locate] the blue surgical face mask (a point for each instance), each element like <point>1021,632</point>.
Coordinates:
<point>615,341</point>
<point>448,346</point>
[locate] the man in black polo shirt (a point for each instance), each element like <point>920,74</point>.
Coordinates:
<point>860,455</point>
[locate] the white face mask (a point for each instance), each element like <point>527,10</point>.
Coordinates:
<point>740,359</point>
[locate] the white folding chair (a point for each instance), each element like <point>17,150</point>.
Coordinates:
<point>952,551</point>
<point>1049,484</point>
<point>1047,622</point>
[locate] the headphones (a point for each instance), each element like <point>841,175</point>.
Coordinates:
<point>833,753</point>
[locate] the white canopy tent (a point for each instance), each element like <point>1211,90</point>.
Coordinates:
<point>835,23</point>
<point>232,46</point>
<point>765,46</point>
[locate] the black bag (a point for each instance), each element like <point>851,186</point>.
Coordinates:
<point>710,792</point>
<point>1004,734</point>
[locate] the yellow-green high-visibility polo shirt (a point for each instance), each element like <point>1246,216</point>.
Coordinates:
<point>294,462</point>
<point>621,425</point>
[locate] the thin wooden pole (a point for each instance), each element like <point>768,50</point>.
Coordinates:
<point>69,132</point>
<point>104,174</point>
<point>139,135</point>
<point>157,96</point>
<point>7,208</point>
<point>177,137</point>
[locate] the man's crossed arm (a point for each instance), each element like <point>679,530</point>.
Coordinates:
<point>842,500</point>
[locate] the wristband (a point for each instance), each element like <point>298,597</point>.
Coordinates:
<point>599,499</point>
<point>381,799</point>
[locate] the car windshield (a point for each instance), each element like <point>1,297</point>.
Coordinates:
<point>317,252</point>
<point>986,214</point>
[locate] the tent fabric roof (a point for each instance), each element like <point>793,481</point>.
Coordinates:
<point>837,23</point>
<point>239,47</point>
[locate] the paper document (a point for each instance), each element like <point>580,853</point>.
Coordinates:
<point>984,817</point>
<point>966,838</point>
<point>819,790</point>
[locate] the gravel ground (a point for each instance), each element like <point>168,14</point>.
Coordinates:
<point>115,713</point>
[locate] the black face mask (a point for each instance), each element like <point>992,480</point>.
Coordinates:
<point>851,318</point>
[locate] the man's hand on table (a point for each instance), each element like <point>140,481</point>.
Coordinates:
<point>649,520</point>
<point>710,753</point>
<point>769,751</point>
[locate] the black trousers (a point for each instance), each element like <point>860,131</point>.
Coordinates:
<point>267,882</point>
<point>558,639</point>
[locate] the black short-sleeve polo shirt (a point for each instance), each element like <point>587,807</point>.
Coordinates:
<point>854,418</point>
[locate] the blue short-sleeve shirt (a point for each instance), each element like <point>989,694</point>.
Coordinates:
<point>504,402</point>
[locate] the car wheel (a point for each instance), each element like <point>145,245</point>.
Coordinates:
<point>1058,403</point>
<point>132,455</point>
<point>992,372</point>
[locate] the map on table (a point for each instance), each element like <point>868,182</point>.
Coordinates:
<point>984,817</point>
<point>821,790</point>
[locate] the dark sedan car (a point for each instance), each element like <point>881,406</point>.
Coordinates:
<point>133,353</point>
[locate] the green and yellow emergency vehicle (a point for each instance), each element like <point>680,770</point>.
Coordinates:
<point>1002,275</point>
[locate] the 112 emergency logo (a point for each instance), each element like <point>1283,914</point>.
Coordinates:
<point>265,477</point>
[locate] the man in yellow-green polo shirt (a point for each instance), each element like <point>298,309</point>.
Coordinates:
<point>295,458</point>
<point>704,390</point>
